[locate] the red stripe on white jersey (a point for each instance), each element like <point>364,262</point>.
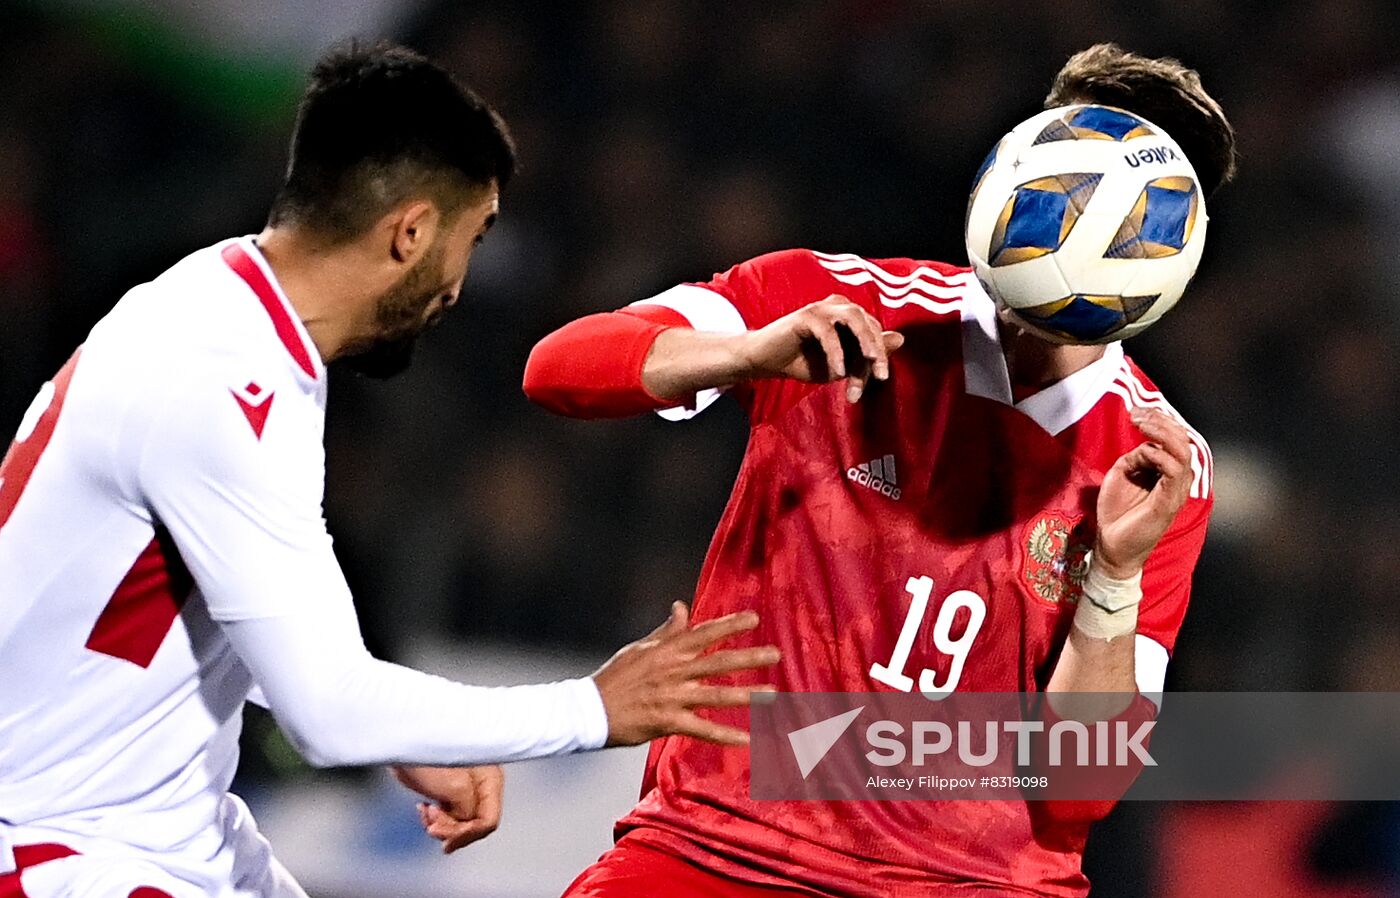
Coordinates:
<point>27,856</point>
<point>243,265</point>
<point>32,439</point>
<point>144,606</point>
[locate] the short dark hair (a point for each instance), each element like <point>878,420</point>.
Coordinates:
<point>1164,92</point>
<point>377,125</point>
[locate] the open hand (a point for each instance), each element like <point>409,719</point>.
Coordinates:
<point>1142,493</point>
<point>464,803</point>
<point>652,687</point>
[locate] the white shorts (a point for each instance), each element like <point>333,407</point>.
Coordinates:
<point>243,867</point>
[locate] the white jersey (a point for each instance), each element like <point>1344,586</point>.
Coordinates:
<point>164,491</point>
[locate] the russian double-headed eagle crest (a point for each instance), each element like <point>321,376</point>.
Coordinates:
<point>1057,558</point>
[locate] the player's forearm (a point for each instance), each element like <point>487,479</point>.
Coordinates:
<point>617,364</point>
<point>387,714</point>
<point>341,707</point>
<point>683,362</point>
<point>1094,680</point>
<point>1093,665</point>
<point>1099,656</point>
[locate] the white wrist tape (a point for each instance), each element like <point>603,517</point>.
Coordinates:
<point>1108,608</point>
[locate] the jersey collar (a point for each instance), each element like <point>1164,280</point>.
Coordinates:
<point>1054,408</point>
<point>247,261</point>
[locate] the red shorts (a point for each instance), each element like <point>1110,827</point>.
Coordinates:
<point>634,870</point>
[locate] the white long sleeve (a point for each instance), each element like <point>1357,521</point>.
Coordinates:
<point>243,506</point>
<point>340,706</point>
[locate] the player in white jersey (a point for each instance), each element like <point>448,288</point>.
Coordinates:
<point>163,554</point>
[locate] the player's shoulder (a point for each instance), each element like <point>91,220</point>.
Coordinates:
<point>204,316</point>
<point>1135,390</point>
<point>919,286</point>
<point>907,270</point>
<point>197,343</point>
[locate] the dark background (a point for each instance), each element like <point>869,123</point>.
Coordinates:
<point>662,141</point>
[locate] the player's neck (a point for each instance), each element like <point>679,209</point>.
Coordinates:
<point>1032,364</point>
<point>322,286</point>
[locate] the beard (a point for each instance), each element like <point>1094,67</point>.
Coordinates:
<point>399,321</point>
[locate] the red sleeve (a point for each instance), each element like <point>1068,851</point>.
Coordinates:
<point>1106,784</point>
<point>1166,578</point>
<point>592,367</point>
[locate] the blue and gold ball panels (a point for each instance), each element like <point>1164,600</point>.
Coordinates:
<point>1085,318</point>
<point>1095,123</point>
<point>977,179</point>
<point>1039,215</point>
<point>1159,223</point>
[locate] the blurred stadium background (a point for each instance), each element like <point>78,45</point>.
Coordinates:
<point>662,141</point>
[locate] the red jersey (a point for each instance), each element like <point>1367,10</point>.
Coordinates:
<point>838,511</point>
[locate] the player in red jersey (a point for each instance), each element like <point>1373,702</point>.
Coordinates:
<point>954,488</point>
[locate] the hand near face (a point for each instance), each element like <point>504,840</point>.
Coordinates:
<point>1142,493</point>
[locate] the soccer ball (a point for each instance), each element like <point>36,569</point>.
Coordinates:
<point>1086,223</point>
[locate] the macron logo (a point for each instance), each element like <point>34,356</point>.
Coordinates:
<point>811,743</point>
<point>255,403</point>
<point>878,474</point>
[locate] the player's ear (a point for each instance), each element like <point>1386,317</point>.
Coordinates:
<point>413,227</point>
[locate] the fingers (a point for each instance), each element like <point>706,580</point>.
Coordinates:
<point>473,831</point>
<point>702,636</point>
<point>730,660</point>
<point>865,331</point>
<point>1169,449</point>
<point>821,329</point>
<point>451,832</point>
<point>868,346</point>
<point>703,696</point>
<point>648,688</point>
<point>1166,431</point>
<point>1165,478</point>
<point>692,724</point>
<point>1151,456</point>
<point>675,624</point>
<point>455,834</point>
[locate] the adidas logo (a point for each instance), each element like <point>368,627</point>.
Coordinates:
<point>878,475</point>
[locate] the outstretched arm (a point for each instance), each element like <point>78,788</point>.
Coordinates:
<point>340,706</point>
<point>244,510</point>
<point>645,358</point>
